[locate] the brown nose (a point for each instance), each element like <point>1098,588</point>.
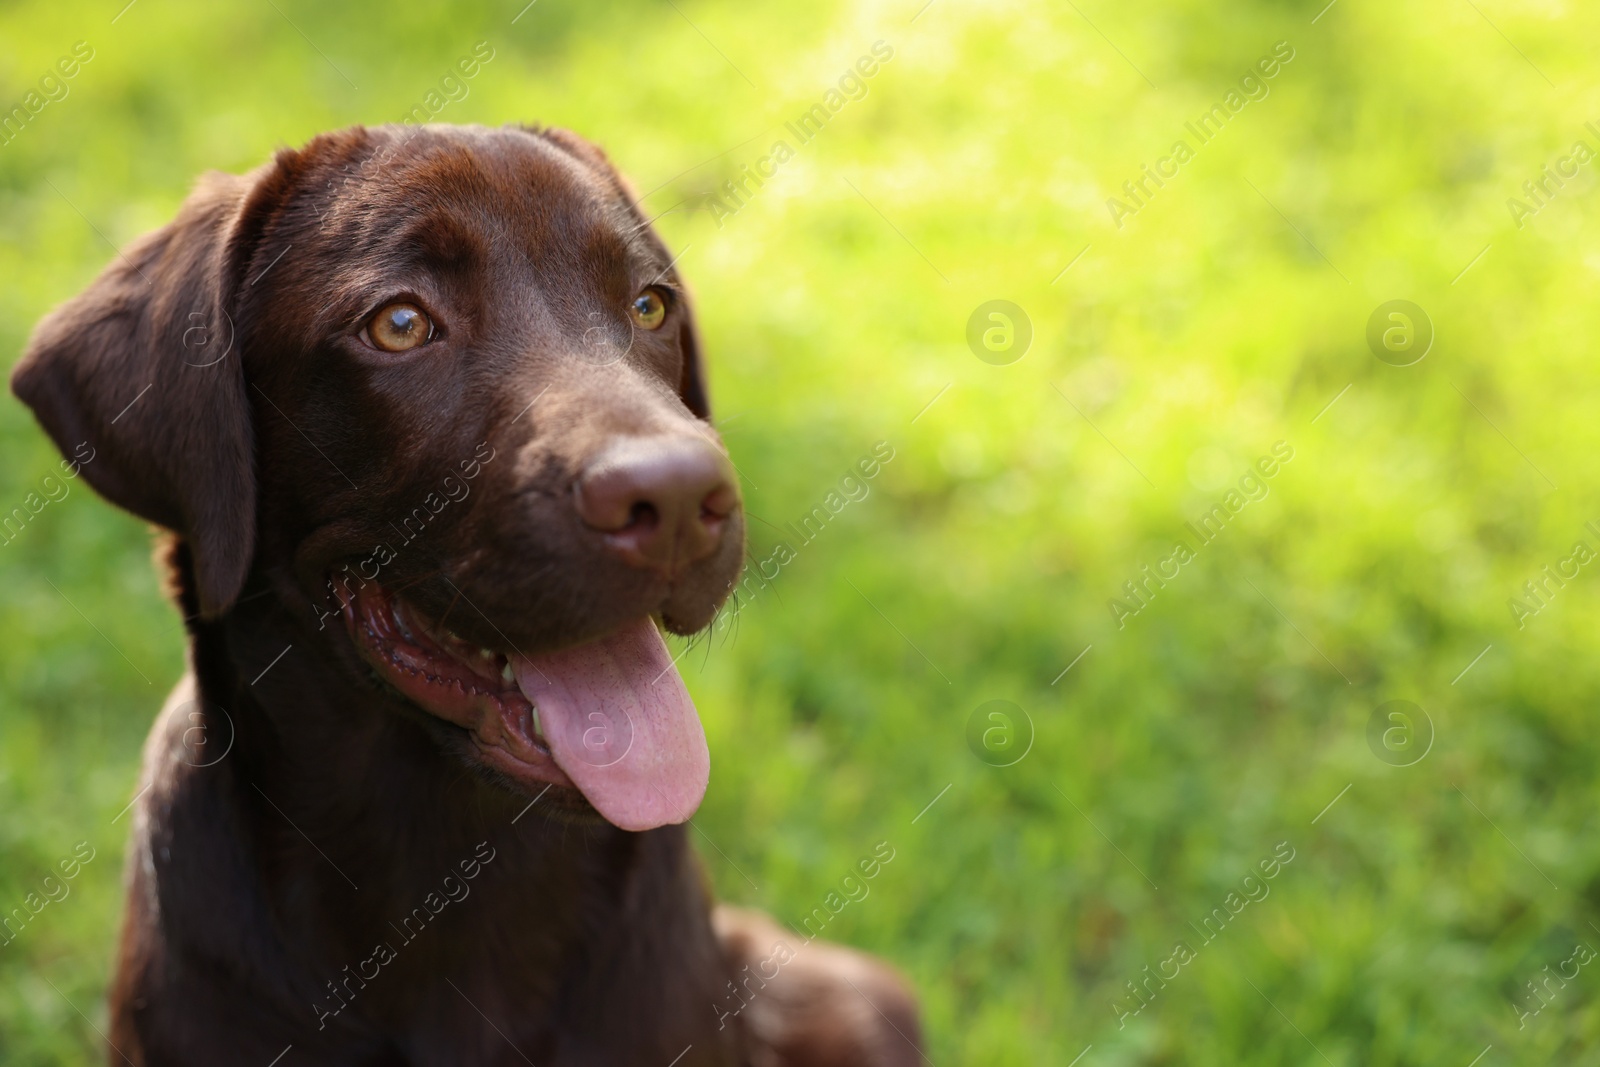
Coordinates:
<point>660,502</point>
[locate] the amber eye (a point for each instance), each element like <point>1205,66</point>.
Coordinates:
<point>648,309</point>
<point>399,328</point>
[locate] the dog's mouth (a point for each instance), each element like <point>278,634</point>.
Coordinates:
<point>610,718</point>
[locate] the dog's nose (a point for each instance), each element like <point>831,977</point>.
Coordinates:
<point>660,502</point>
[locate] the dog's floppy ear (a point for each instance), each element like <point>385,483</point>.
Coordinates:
<point>142,370</point>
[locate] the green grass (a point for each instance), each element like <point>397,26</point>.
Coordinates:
<point>1221,318</point>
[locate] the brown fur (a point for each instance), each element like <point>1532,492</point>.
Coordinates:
<point>277,450</point>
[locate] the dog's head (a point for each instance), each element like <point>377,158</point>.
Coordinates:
<point>443,386</point>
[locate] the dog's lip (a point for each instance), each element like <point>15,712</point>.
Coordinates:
<point>452,679</point>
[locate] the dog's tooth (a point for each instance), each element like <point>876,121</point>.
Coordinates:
<point>538,728</point>
<point>399,619</point>
<point>507,673</point>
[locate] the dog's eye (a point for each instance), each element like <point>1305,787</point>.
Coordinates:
<point>399,328</point>
<point>648,309</point>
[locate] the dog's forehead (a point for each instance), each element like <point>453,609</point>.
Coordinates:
<point>503,185</point>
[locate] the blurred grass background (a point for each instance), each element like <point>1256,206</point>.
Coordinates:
<point>1222,318</point>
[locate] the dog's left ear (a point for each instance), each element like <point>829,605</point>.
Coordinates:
<point>139,382</point>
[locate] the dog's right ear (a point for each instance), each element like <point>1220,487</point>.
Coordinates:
<point>138,380</point>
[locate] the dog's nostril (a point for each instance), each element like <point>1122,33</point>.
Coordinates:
<point>720,502</point>
<point>642,515</point>
<point>661,502</point>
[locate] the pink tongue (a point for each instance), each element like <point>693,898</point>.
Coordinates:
<point>621,725</point>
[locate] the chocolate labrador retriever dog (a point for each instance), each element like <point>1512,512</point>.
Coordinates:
<point>424,413</point>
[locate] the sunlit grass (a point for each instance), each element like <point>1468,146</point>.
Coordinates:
<point>1223,317</point>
